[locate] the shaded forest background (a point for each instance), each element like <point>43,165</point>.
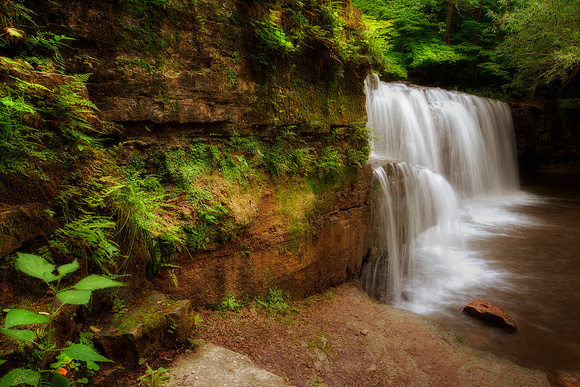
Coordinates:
<point>489,47</point>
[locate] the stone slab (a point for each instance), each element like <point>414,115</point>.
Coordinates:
<point>211,366</point>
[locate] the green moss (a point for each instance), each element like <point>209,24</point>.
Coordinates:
<point>141,63</point>
<point>150,317</point>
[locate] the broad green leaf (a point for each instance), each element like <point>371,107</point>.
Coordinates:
<point>84,353</point>
<point>2,361</point>
<point>68,268</point>
<point>94,282</point>
<point>18,376</point>
<point>35,266</point>
<point>92,365</point>
<point>19,334</point>
<point>59,381</point>
<point>22,317</point>
<point>75,297</point>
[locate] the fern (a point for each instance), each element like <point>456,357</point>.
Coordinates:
<point>89,237</point>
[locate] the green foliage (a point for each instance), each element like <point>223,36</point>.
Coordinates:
<point>41,48</point>
<point>230,303</point>
<point>43,51</point>
<point>329,165</point>
<point>328,29</point>
<point>77,366</point>
<point>88,236</point>
<point>232,76</point>
<point>155,378</point>
<point>271,39</point>
<point>77,294</point>
<point>274,302</point>
<point>542,42</point>
<point>39,124</point>
<point>13,13</point>
<point>376,45</point>
<point>442,41</point>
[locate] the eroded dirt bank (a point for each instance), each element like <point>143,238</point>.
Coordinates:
<point>348,339</point>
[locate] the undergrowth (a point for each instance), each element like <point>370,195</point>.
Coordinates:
<point>216,180</point>
<point>329,28</point>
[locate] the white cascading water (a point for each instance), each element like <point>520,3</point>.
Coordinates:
<point>435,154</point>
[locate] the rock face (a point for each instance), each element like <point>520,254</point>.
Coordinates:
<point>181,71</point>
<point>547,132</point>
<point>301,265</point>
<point>191,66</point>
<point>490,314</point>
<point>569,379</point>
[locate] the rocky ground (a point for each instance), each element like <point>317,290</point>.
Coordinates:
<point>343,338</point>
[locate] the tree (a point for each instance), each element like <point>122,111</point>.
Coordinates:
<point>542,42</point>
<point>443,42</point>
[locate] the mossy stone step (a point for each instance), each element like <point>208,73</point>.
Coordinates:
<point>143,329</point>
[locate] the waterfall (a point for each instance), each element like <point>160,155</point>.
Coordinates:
<point>434,153</point>
<point>467,139</point>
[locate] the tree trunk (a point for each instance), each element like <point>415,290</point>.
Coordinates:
<point>448,20</point>
<point>475,33</point>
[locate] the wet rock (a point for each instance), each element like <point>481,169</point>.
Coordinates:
<point>490,314</point>
<point>408,296</point>
<point>568,379</point>
<point>210,365</point>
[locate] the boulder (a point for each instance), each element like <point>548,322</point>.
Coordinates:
<point>490,314</point>
<point>141,330</point>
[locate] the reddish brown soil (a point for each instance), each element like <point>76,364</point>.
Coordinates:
<point>343,338</point>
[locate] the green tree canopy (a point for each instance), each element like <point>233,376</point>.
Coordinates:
<point>542,42</point>
<point>447,42</point>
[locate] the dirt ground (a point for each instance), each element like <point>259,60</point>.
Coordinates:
<point>344,338</point>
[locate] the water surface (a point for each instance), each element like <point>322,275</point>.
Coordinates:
<point>533,246</point>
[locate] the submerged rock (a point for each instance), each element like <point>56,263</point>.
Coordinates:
<point>490,314</point>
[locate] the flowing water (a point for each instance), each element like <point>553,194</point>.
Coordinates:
<point>452,225</point>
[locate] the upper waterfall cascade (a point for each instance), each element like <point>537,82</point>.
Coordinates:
<point>467,139</point>
<point>435,153</point>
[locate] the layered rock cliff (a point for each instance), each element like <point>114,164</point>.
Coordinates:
<point>172,78</point>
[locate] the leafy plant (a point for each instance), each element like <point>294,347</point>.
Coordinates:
<point>43,50</point>
<point>40,124</point>
<point>274,302</point>
<point>330,167</point>
<point>77,294</point>
<point>64,361</point>
<point>232,76</point>
<point>88,236</point>
<point>229,302</point>
<point>155,378</point>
